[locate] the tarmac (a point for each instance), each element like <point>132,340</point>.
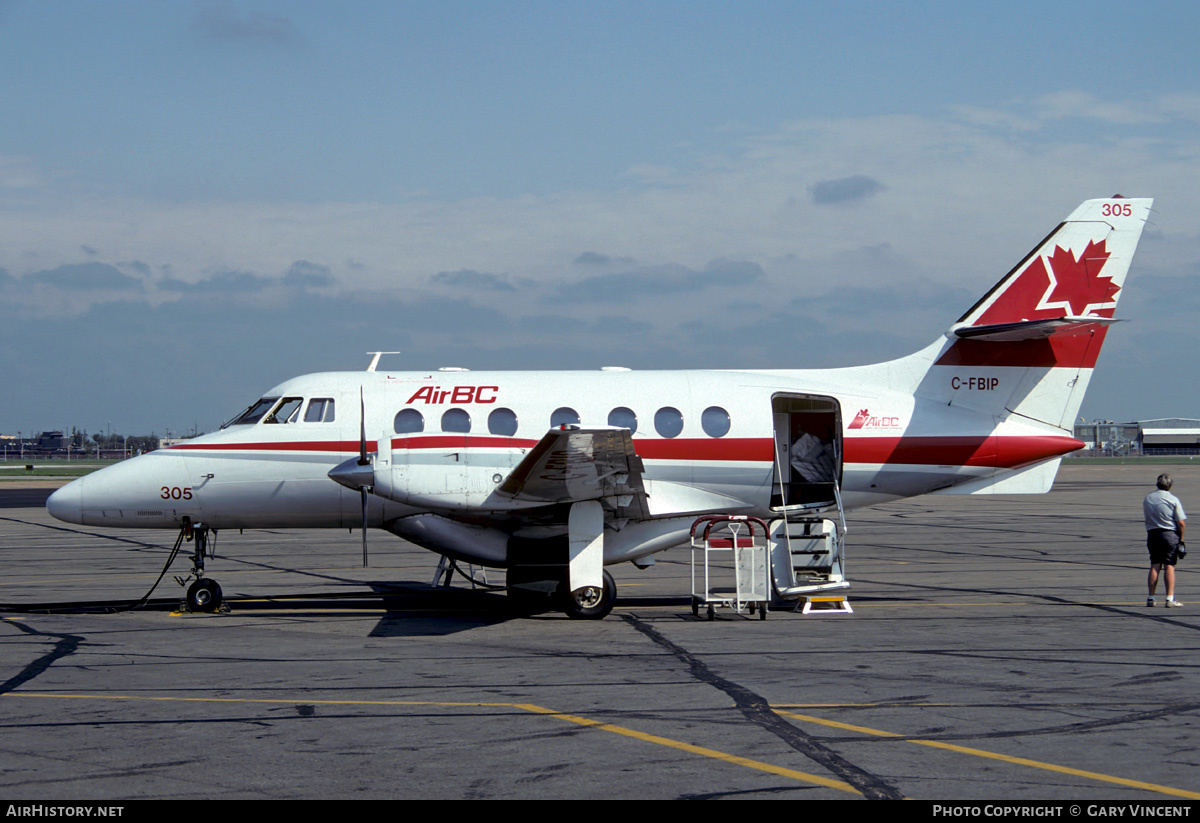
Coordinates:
<point>1000,649</point>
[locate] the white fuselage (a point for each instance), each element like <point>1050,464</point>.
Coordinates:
<point>707,438</point>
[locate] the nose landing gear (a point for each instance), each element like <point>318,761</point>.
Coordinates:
<point>204,594</point>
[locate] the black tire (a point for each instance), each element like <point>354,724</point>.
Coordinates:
<point>762,612</point>
<point>204,595</point>
<point>594,607</point>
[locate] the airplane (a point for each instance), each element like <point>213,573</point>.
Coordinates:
<point>552,475</point>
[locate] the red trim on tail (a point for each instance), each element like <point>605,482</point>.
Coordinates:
<point>1064,349</point>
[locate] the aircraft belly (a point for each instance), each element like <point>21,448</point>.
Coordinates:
<point>865,485</point>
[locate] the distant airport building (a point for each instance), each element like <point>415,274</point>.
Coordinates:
<point>1159,436</point>
<point>1171,435</point>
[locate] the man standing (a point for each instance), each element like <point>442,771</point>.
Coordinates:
<point>1165,524</point>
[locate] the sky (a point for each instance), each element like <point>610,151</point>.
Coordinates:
<point>199,200</point>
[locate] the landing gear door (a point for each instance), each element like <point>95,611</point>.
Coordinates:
<point>808,452</point>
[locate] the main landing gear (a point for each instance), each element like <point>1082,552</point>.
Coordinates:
<point>204,594</point>
<point>530,593</point>
<point>589,602</point>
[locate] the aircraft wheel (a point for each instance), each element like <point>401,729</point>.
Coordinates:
<point>587,603</point>
<point>762,612</point>
<point>695,607</point>
<point>204,595</point>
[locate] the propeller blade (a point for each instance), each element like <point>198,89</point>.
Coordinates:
<point>363,461</point>
<point>363,492</point>
<point>362,428</point>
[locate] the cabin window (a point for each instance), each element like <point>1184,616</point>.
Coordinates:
<point>623,418</point>
<point>668,421</point>
<point>503,421</point>
<point>409,421</point>
<point>288,411</point>
<point>255,412</point>
<point>715,421</point>
<point>320,410</point>
<point>456,420</point>
<point>564,417</point>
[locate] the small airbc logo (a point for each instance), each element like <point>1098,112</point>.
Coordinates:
<point>864,420</point>
<point>436,395</point>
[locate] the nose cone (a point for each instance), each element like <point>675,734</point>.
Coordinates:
<point>352,474</point>
<point>66,504</point>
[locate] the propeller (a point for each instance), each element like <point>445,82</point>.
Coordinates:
<point>363,461</point>
<point>358,473</point>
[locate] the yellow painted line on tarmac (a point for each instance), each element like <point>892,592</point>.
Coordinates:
<point>598,725</point>
<point>1019,761</point>
<point>700,750</point>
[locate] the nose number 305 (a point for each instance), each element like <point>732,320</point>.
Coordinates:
<point>175,493</point>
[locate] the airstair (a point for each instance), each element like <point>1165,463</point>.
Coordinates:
<point>808,559</point>
<point>807,536</point>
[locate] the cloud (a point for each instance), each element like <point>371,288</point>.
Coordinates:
<point>85,276</point>
<point>1078,104</point>
<point>968,195</point>
<point>471,279</point>
<point>19,173</point>
<point>226,282</point>
<point>845,189</point>
<point>221,21</point>
<point>303,274</point>
<point>658,280</point>
<point>591,258</point>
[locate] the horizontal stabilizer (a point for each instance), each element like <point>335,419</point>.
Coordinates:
<point>1033,329</point>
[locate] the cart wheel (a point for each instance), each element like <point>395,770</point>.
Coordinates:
<point>695,607</point>
<point>712,613</point>
<point>762,611</point>
<point>750,607</point>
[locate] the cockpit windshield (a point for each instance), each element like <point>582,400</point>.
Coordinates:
<point>254,413</point>
<point>288,411</point>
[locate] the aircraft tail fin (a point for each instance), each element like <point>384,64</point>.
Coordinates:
<point>1029,345</point>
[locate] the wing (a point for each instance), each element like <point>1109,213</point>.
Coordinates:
<point>572,464</point>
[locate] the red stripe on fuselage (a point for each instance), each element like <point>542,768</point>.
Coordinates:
<point>992,451</point>
<point>278,446</point>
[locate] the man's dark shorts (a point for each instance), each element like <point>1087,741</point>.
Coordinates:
<point>1163,545</point>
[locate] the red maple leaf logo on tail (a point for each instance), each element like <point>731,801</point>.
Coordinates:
<point>1079,286</point>
<point>1057,286</point>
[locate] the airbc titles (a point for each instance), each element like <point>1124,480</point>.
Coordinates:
<point>974,383</point>
<point>458,395</point>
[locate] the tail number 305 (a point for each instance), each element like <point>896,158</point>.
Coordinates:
<point>175,493</point>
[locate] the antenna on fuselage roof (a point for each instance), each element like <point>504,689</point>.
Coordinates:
<point>375,359</point>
